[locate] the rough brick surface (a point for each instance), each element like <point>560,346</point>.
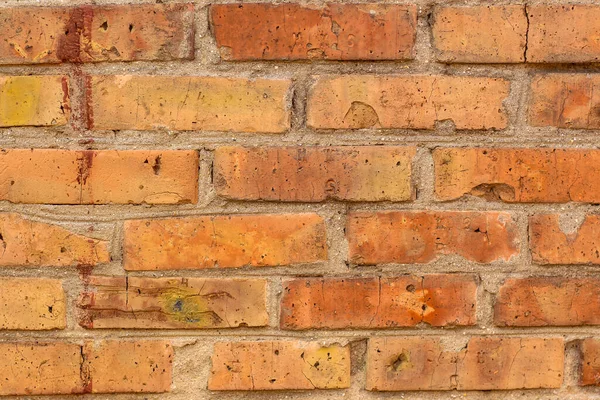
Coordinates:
<point>590,362</point>
<point>279,365</point>
<point>418,363</point>
<point>91,34</point>
<point>518,175</point>
<point>188,103</point>
<point>172,303</point>
<point>315,174</point>
<point>416,102</point>
<point>484,34</point>
<point>333,32</point>
<point>224,241</point>
<point>340,303</point>
<point>421,237</point>
<point>548,301</point>
<point>32,304</point>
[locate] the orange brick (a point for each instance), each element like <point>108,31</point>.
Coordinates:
<point>407,101</point>
<point>89,34</point>
<point>122,366</point>
<point>188,103</point>
<point>486,363</point>
<point>419,237</point>
<point>34,100</point>
<point>98,177</point>
<point>355,173</point>
<point>565,101</point>
<point>482,34</point>
<point>518,175</point>
<point>339,303</point>
<point>333,32</point>
<point>563,33</point>
<point>173,303</point>
<point>32,304</point>
<point>278,366</point>
<point>224,241</point>
<point>548,301</point>
<point>40,368</point>
<point>29,243</point>
<point>590,362</point>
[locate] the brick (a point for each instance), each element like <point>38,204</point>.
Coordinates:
<point>32,304</point>
<point>548,301</point>
<point>30,243</point>
<point>265,31</point>
<point>419,237</point>
<point>550,245</point>
<point>407,101</point>
<point>188,103</point>
<point>36,35</point>
<point>224,241</point>
<point>565,101</point>
<point>172,303</point>
<point>486,363</point>
<point>311,174</point>
<point>46,176</point>
<point>480,34</point>
<point>122,366</point>
<point>279,365</point>
<point>40,368</point>
<point>518,175</point>
<point>340,303</point>
<point>563,33</point>
<point>41,100</point>
<point>590,362</point>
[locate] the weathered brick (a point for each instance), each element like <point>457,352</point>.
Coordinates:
<point>98,177</point>
<point>172,303</point>
<point>590,362</point>
<point>407,101</point>
<point>266,31</point>
<point>41,100</point>
<point>419,237</point>
<point>563,33</point>
<point>480,34</point>
<point>40,368</point>
<point>355,173</point>
<point>550,245</point>
<point>32,304</point>
<point>338,303</point>
<point>188,103</point>
<point>279,365</point>
<point>31,243</point>
<point>96,33</point>
<point>123,366</point>
<point>518,175</point>
<point>548,301</point>
<point>565,101</point>
<point>486,363</point>
<point>224,241</point>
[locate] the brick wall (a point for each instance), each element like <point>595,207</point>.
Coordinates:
<point>199,199</point>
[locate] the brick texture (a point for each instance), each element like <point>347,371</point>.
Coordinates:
<point>590,362</point>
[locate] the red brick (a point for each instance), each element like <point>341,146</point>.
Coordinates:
<point>279,365</point>
<point>407,101</point>
<point>548,301</point>
<point>419,237</point>
<point>339,303</point>
<point>565,101</point>
<point>36,35</point>
<point>310,174</point>
<point>224,241</point>
<point>481,34</point>
<point>263,31</point>
<point>590,362</point>
<point>486,363</point>
<point>172,303</point>
<point>563,33</point>
<point>518,175</point>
